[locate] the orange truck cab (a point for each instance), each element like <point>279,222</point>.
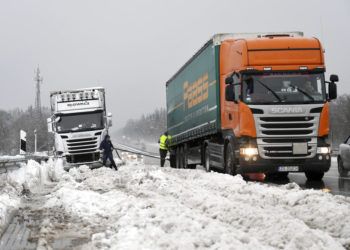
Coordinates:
<point>272,112</point>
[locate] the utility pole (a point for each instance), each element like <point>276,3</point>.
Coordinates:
<point>37,109</point>
<point>38,81</point>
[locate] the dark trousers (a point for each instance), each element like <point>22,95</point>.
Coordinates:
<point>162,153</point>
<point>109,156</point>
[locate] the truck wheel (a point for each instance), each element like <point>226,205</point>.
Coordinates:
<point>314,176</point>
<point>181,157</point>
<point>178,157</point>
<point>207,159</point>
<point>173,160</point>
<point>230,166</point>
<point>185,156</point>
<point>342,171</point>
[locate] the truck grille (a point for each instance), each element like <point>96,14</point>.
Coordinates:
<point>287,126</point>
<point>276,135</point>
<point>82,145</point>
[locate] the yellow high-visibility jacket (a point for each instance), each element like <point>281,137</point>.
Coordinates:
<point>163,142</point>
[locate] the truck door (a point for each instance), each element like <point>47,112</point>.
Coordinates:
<point>230,119</point>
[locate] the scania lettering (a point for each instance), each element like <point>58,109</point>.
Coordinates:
<point>79,122</point>
<point>252,103</point>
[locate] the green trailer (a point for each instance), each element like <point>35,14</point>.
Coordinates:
<point>193,97</point>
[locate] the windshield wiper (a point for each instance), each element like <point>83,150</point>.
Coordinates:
<point>268,88</point>
<point>303,92</point>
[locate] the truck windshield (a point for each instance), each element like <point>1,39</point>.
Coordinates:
<point>79,122</point>
<point>284,88</point>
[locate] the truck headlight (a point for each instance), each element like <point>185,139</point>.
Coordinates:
<point>249,151</point>
<point>323,150</point>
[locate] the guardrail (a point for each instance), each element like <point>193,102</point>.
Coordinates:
<point>14,161</point>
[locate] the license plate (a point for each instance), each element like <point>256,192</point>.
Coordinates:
<point>288,169</point>
<point>299,148</point>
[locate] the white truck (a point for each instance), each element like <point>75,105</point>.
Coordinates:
<point>79,122</point>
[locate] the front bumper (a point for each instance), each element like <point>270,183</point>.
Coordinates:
<point>83,158</point>
<point>319,163</point>
<point>91,165</point>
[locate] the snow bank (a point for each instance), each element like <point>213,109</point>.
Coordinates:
<point>145,207</point>
<point>16,183</point>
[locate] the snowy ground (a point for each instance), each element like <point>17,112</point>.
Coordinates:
<point>145,207</point>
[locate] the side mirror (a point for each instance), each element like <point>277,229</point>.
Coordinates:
<point>332,90</point>
<point>228,80</point>
<point>334,78</point>
<point>109,119</point>
<point>49,125</point>
<point>229,93</point>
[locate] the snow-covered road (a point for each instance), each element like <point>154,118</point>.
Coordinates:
<point>146,207</point>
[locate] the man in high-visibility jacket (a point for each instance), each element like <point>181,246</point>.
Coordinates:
<point>163,147</point>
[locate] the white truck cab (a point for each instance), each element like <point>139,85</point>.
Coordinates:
<point>79,122</point>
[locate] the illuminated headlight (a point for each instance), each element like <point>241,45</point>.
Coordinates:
<point>323,150</point>
<point>249,151</point>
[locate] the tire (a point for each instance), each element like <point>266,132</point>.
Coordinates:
<point>230,165</point>
<point>314,176</point>
<point>173,160</point>
<point>206,164</point>
<point>341,170</point>
<point>185,156</point>
<point>181,157</point>
<point>178,158</point>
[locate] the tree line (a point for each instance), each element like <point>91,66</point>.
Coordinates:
<point>11,122</point>
<point>148,127</point>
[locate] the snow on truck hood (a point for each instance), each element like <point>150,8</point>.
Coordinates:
<point>146,207</point>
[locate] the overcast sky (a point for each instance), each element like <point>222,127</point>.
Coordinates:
<point>133,47</point>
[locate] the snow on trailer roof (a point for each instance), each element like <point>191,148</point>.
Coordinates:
<point>218,38</point>
<point>75,90</point>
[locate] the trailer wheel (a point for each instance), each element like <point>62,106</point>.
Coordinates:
<point>314,176</point>
<point>230,166</point>
<point>178,158</point>
<point>181,157</point>
<point>185,156</point>
<point>173,160</point>
<point>207,159</point>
